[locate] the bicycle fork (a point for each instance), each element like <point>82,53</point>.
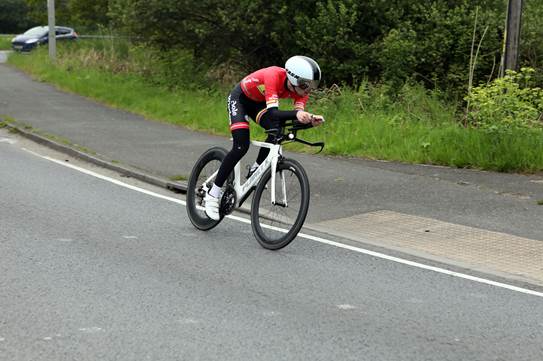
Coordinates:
<point>274,201</point>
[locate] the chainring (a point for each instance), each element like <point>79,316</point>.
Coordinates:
<point>228,201</point>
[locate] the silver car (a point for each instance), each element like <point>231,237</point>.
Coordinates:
<point>39,36</point>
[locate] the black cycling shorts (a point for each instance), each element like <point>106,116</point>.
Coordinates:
<point>241,108</point>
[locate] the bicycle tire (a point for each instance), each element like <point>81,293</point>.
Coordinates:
<point>269,227</point>
<point>194,200</point>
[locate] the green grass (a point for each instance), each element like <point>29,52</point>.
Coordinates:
<point>416,126</point>
<point>5,42</point>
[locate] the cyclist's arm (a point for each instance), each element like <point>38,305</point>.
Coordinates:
<point>274,114</point>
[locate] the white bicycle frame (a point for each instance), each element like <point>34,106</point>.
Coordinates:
<point>242,190</point>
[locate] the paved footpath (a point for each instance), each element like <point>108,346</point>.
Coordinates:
<point>479,220</point>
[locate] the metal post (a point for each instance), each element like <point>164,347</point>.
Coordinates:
<point>52,34</point>
<point>512,36</point>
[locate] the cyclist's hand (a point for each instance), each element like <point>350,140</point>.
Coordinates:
<point>317,120</point>
<point>304,117</point>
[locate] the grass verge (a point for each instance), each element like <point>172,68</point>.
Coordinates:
<point>414,126</point>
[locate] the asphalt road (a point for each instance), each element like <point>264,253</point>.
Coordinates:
<point>340,187</point>
<point>92,270</point>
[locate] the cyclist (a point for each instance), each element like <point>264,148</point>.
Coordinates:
<point>257,97</point>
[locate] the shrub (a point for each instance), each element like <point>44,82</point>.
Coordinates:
<point>506,103</point>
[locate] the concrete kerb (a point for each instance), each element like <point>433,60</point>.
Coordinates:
<point>178,187</point>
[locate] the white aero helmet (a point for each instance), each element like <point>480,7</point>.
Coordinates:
<point>303,72</point>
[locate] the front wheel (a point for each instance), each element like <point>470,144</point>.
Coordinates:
<point>208,164</point>
<point>276,225</point>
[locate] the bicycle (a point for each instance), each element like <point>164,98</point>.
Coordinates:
<point>281,199</point>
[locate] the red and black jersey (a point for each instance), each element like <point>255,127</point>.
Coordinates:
<point>268,84</point>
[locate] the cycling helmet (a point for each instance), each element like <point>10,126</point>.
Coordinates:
<point>303,72</point>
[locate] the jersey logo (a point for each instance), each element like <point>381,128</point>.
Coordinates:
<point>249,80</point>
<point>261,88</point>
<point>233,108</point>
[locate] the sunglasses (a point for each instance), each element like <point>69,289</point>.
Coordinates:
<point>306,83</point>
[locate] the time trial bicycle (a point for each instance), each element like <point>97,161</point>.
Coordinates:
<point>281,199</point>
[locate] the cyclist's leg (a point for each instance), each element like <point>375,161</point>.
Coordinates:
<point>266,123</point>
<point>240,146</point>
<point>239,127</point>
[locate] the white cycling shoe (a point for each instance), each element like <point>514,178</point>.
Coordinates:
<point>212,207</point>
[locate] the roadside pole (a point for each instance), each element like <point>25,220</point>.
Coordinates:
<point>52,34</point>
<point>512,35</point>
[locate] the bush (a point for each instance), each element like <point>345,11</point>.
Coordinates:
<point>507,103</point>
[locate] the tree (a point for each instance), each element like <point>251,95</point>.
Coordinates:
<point>14,16</point>
<point>38,11</point>
<point>87,14</point>
<point>90,15</point>
<point>392,41</point>
<point>531,49</point>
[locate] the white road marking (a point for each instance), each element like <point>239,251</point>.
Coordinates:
<point>271,313</point>
<point>90,329</point>
<point>8,140</point>
<point>310,237</point>
<point>130,237</point>
<point>346,307</point>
